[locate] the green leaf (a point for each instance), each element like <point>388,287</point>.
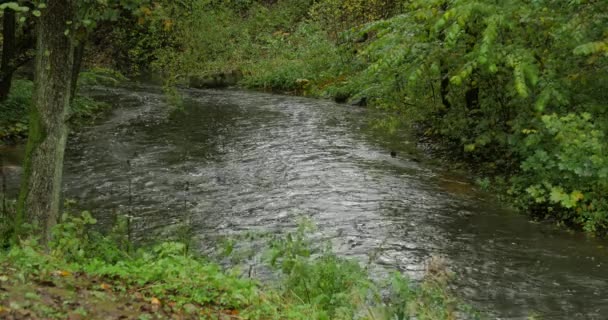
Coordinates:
<point>558,195</point>
<point>14,6</point>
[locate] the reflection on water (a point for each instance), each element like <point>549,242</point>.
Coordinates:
<point>235,161</point>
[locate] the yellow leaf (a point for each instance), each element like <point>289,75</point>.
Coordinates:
<point>168,24</point>
<point>62,273</point>
<point>577,195</point>
<point>469,147</point>
<point>105,286</point>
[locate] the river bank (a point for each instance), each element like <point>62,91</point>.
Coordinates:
<point>518,107</point>
<point>233,162</point>
<point>90,276</point>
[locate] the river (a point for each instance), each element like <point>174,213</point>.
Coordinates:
<point>233,162</point>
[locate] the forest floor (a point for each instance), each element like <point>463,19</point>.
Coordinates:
<point>65,295</point>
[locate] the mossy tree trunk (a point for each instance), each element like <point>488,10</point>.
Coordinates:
<point>39,199</point>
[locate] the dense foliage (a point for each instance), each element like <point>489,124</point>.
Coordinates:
<point>516,87</point>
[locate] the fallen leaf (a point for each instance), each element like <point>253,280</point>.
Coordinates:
<point>105,286</point>
<point>168,24</point>
<point>75,316</point>
<point>62,273</point>
<point>189,308</point>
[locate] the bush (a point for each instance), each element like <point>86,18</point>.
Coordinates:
<point>567,169</point>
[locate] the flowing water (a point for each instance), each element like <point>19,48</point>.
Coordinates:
<point>233,162</point>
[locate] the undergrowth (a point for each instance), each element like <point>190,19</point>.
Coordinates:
<point>101,276</point>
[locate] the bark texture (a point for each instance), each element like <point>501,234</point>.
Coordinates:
<point>39,200</point>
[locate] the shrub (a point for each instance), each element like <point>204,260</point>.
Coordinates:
<point>567,169</point>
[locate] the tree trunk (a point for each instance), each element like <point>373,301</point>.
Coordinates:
<point>444,88</point>
<point>472,98</point>
<point>8,53</point>
<point>39,199</point>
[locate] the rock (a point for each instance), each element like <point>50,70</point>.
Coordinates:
<point>341,97</point>
<point>75,316</point>
<point>362,102</point>
<point>189,308</point>
<point>219,80</point>
<point>362,38</point>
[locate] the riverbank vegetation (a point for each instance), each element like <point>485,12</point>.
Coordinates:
<point>86,275</point>
<point>516,88</point>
